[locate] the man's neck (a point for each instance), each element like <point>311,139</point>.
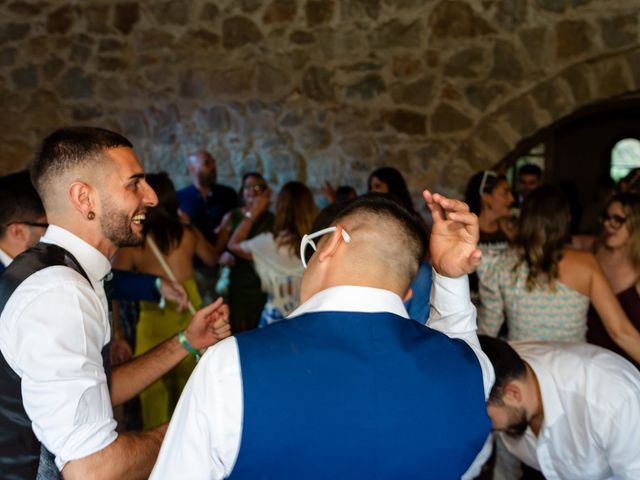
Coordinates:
<point>204,190</point>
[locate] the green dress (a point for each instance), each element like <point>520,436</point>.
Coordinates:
<point>246,298</point>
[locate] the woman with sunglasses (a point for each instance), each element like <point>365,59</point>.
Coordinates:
<point>542,289</point>
<point>243,293</point>
<point>618,253</point>
<point>276,254</point>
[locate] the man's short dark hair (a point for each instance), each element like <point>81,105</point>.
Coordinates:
<point>507,364</point>
<point>530,169</point>
<point>382,205</point>
<point>70,147</point>
<point>19,201</point>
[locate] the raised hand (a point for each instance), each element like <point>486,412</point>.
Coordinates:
<point>209,325</point>
<point>454,236</point>
<point>261,203</point>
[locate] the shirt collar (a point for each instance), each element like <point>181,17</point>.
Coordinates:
<point>94,263</point>
<point>350,298</point>
<point>551,404</point>
<point>4,258</point>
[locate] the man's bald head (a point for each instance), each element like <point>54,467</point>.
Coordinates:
<point>202,168</point>
<point>70,152</point>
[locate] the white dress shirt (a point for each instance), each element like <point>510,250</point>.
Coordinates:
<point>5,259</point>
<point>591,402</point>
<point>203,439</point>
<point>52,331</point>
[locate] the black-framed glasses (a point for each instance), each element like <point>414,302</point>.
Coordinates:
<point>616,221</point>
<point>31,224</point>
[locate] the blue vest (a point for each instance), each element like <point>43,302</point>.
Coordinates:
<point>346,395</point>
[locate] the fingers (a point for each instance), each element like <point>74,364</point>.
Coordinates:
<point>436,210</point>
<point>442,207</point>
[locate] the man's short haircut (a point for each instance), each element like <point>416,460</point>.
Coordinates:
<point>507,364</point>
<point>19,201</point>
<point>380,204</point>
<point>71,147</point>
<point>530,169</point>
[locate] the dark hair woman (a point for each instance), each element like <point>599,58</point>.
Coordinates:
<point>542,288</point>
<point>179,244</point>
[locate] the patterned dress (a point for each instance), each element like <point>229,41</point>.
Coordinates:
<point>546,313</point>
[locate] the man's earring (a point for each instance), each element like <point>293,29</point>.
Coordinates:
<point>91,215</point>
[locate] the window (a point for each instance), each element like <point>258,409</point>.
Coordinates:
<point>625,156</point>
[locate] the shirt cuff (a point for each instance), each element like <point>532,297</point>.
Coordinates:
<point>452,292</point>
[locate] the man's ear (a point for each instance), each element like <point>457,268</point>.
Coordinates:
<point>408,296</point>
<point>330,244</point>
<point>17,232</point>
<point>82,197</point>
<point>512,393</point>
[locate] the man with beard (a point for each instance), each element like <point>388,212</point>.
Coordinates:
<point>567,410</point>
<point>205,202</point>
<point>57,388</point>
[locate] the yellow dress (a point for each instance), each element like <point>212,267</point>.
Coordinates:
<point>154,327</point>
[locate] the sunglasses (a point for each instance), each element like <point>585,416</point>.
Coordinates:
<point>485,176</point>
<point>616,221</point>
<point>307,240</point>
<point>258,188</point>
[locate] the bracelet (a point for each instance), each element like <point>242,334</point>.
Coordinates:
<point>157,283</point>
<point>187,346</point>
<point>248,215</point>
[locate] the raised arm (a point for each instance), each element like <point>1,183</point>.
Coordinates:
<point>209,325</point>
<point>615,321</point>
<point>204,250</point>
<point>240,234</point>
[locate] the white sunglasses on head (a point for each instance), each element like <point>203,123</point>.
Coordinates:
<point>308,240</point>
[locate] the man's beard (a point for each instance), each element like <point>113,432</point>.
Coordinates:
<point>116,226</point>
<point>517,422</point>
<point>206,179</point>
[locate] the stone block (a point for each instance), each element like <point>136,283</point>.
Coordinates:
<point>534,41</point>
<point>619,30</point>
<point>194,83</point>
<point>406,121</point>
<point>611,79</point>
<point>280,11</point>
<point>79,53</point>
<point>633,60</point>
<point>506,65</point>
<point>83,113</point>
<point>512,14</point>
<point>553,96</point>
<point>75,84</point>
<point>396,33</point>
<point>238,31</point>
<point>60,20</point>
<point>520,116</point>
<point>577,77</point>
<point>109,45</point>
<point>300,37</point>
<point>299,59</point>
<point>447,119</point>
<point>153,40</point>
<point>171,12</point>
<point>271,80</point>
<point>199,39</point>
<point>418,93</point>
<point>318,12</point>
<point>209,12</point>
<point>406,66</point>
<point>214,119</point>
<point>126,16</point>
<point>163,124</point>
<point>317,84</point>
<point>482,94</point>
<point>7,57</point>
<point>579,3</point>
<point>359,148</point>
<point>357,9</point>
<point>13,32</point>
<point>235,81</point>
<point>467,63</point>
<point>313,139</point>
<point>456,19</point>
<point>134,124</point>
<point>26,9</point>
<point>108,64</point>
<point>366,88</point>
<point>556,6</point>
<point>97,17</point>
<point>573,38</point>
<point>25,78</point>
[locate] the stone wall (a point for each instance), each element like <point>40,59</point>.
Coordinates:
<point>312,89</point>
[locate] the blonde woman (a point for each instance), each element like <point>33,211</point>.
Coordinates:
<point>276,254</point>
